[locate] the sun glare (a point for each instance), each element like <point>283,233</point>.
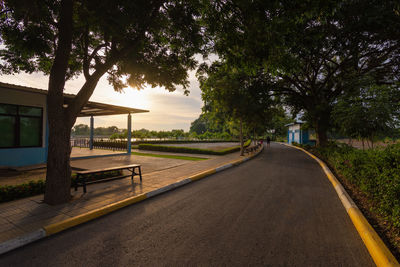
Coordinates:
<point>131,97</point>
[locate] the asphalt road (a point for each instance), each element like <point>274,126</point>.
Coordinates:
<point>275,210</point>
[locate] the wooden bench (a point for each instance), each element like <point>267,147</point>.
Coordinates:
<point>82,175</point>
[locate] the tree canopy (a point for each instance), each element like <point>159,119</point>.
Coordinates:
<point>132,42</point>
<point>309,52</point>
<point>235,94</point>
<point>372,112</point>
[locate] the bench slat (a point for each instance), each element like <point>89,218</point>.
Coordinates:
<point>109,169</point>
<point>106,179</point>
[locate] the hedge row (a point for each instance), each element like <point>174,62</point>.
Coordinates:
<point>97,141</point>
<point>121,144</point>
<point>191,150</point>
<point>33,188</point>
<point>376,172</point>
<point>11,192</point>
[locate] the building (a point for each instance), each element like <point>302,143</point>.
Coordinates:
<point>297,134</point>
<point>24,127</point>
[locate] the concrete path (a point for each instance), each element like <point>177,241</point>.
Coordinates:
<point>278,209</point>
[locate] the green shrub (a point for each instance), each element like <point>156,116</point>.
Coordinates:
<point>122,144</point>
<point>191,150</point>
<point>376,172</point>
<point>281,139</point>
<point>11,192</point>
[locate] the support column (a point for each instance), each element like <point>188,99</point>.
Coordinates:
<point>129,135</point>
<point>91,132</point>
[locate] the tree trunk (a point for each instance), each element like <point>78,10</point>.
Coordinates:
<point>61,119</point>
<point>321,130</point>
<point>241,138</point>
<point>58,176</point>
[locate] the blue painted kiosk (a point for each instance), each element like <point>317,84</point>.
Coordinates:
<point>296,133</point>
<point>24,127</point>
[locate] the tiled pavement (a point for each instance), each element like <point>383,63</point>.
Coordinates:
<point>26,215</point>
<point>149,164</point>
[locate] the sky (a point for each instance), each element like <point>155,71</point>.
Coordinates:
<point>168,110</point>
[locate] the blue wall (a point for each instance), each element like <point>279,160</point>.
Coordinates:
<point>303,136</point>
<point>17,157</point>
<point>25,156</point>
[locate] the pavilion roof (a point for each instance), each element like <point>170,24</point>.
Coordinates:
<point>91,108</point>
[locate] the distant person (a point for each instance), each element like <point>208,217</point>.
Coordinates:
<point>268,141</point>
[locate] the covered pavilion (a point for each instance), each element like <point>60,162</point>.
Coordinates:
<point>24,124</point>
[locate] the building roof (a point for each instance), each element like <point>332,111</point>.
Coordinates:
<point>90,109</point>
<point>294,123</point>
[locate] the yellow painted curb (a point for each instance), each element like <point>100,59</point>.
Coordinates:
<point>202,175</point>
<point>236,162</point>
<point>71,222</point>
<point>376,248</point>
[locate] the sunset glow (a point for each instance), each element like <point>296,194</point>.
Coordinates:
<point>168,110</point>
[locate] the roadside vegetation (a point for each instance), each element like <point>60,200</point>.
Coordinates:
<point>372,177</point>
<point>191,150</point>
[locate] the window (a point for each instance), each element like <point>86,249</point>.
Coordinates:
<point>20,126</point>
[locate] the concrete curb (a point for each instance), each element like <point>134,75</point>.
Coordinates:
<point>91,215</point>
<point>376,248</point>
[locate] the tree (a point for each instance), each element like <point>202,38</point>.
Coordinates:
<point>177,133</point>
<point>133,42</point>
<point>373,112</point>
<point>309,52</point>
<point>81,129</point>
<point>199,126</point>
<point>279,121</point>
<point>234,93</point>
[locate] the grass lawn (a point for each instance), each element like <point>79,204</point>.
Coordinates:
<point>168,156</point>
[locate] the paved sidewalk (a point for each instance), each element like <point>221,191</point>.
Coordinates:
<point>149,164</point>
<point>23,216</point>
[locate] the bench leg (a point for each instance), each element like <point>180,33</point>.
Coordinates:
<point>140,174</point>
<point>76,182</point>
<point>84,185</point>
<point>133,173</point>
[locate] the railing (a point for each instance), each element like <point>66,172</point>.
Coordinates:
<point>99,144</point>
<point>110,144</point>
<point>83,142</point>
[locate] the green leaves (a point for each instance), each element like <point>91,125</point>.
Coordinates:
<point>373,112</point>
<point>309,52</point>
<point>147,42</point>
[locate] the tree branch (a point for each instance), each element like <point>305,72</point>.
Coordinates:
<point>86,61</point>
